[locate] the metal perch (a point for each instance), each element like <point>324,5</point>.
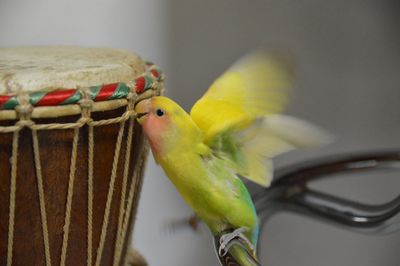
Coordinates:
<point>289,192</point>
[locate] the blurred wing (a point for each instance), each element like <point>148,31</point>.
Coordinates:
<point>268,137</point>
<point>238,115</point>
<point>256,85</point>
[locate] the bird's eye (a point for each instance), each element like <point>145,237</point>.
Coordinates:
<point>160,112</point>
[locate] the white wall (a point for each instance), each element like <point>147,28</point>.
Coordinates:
<point>347,54</point>
<point>133,25</point>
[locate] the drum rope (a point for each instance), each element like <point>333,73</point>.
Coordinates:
<point>90,196</point>
<point>70,193</point>
<point>55,126</point>
<point>133,187</point>
<point>119,244</point>
<point>110,194</point>
<point>13,188</point>
<point>24,112</point>
<point>87,107</point>
<point>42,204</point>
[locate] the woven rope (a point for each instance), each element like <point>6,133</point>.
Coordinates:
<point>78,124</point>
<point>69,196</point>
<point>90,196</point>
<point>42,204</point>
<point>110,194</point>
<point>129,260</point>
<point>119,244</point>
<point>132,191</point>
<point>13,188</point>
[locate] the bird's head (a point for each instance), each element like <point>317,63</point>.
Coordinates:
<point>165,124</point>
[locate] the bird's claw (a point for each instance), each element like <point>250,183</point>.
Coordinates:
<point>227,240</point>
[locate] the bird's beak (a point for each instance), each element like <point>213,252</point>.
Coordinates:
<point>142,109</point>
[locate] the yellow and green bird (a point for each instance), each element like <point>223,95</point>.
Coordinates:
<point>233,131</point>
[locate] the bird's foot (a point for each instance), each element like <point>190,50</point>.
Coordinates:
<point>229,239</point>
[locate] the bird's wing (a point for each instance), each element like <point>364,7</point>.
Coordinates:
<point>256,85</point>
<point>267,137</point>
<point>238,115</point>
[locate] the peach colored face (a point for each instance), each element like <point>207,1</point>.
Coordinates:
<point>155,122</point>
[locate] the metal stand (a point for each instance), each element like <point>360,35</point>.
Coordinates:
<point>289,192</point>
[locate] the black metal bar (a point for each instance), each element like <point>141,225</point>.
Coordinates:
<point>289,192</point>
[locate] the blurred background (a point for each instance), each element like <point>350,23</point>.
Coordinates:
<point>347,55</point>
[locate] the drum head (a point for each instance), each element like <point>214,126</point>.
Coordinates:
<point>45,68</point>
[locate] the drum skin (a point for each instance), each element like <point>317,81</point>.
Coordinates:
<point>55,151</point>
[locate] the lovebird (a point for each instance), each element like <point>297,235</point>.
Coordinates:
<point>232,132</point>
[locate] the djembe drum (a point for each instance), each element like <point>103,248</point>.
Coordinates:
<point>71,153</point>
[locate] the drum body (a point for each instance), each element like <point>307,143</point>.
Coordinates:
<point>71,154</point>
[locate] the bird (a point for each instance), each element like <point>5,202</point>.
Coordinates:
<point>231,134</point>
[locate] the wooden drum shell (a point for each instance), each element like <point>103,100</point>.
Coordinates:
<point>55,152</point>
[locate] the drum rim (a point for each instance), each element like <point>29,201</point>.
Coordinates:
<point>59,102</point>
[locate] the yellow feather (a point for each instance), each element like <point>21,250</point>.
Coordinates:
<point>255,86</point>
<point>270,136</point>
<point>238,116</point>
